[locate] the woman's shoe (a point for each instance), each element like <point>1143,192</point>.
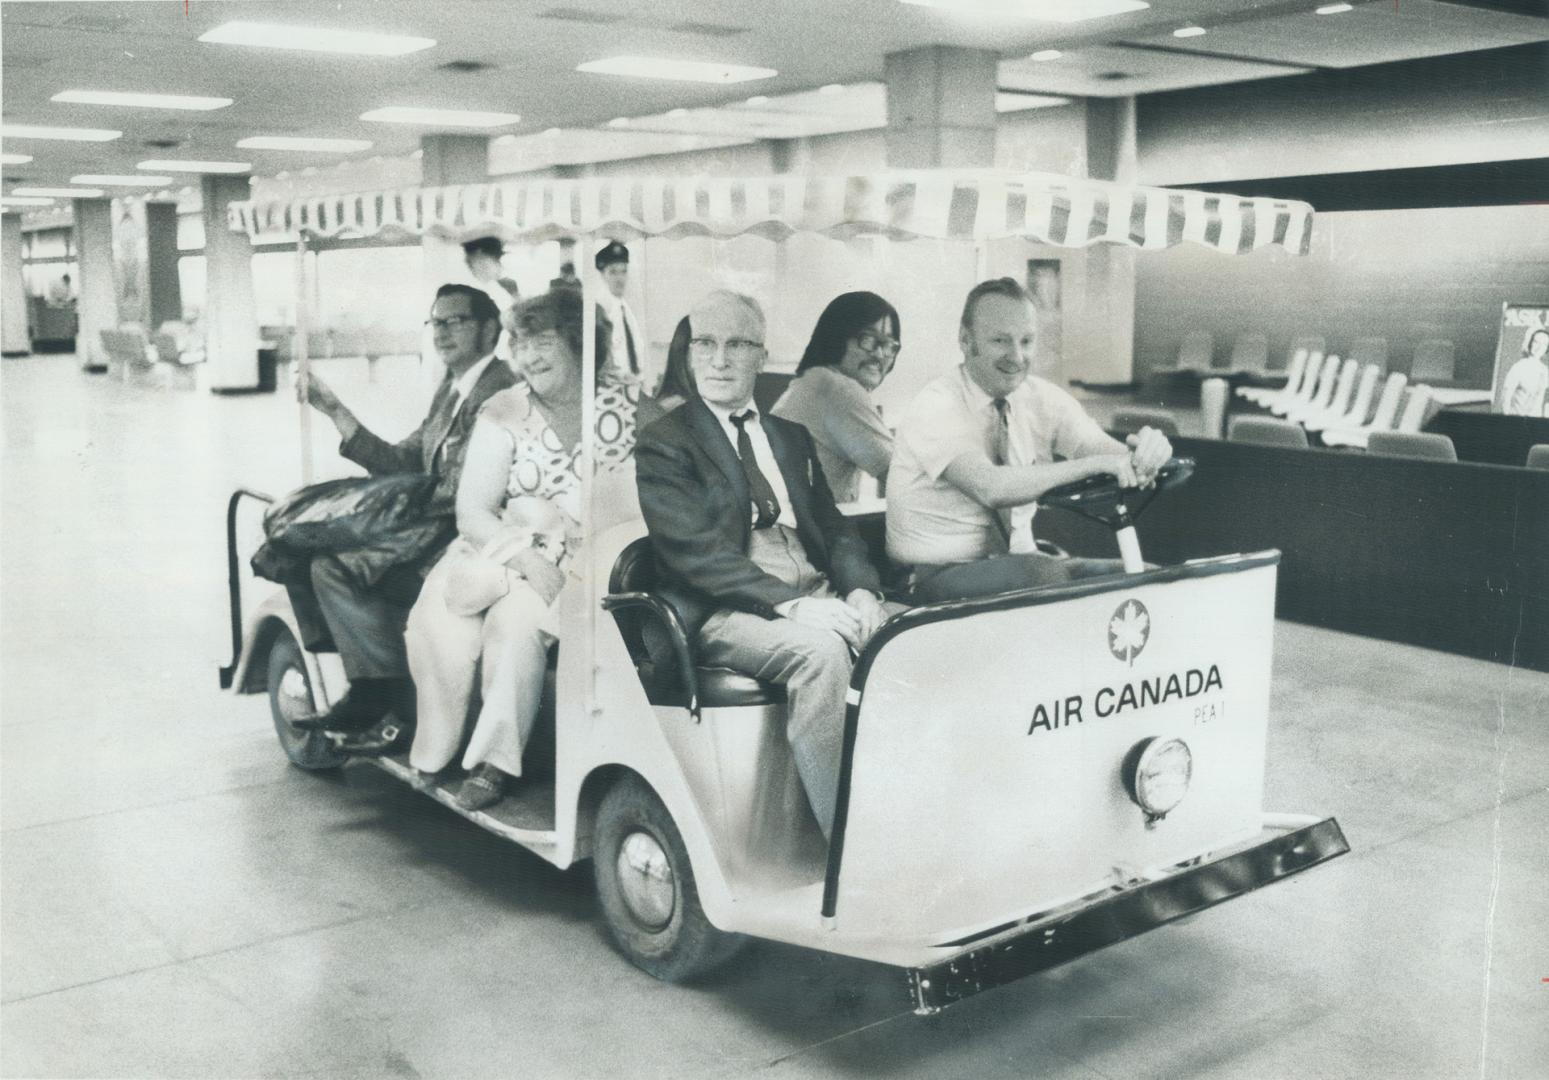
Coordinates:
<point>484,787</point>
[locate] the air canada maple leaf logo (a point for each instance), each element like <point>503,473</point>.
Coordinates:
<point>1128,631</point>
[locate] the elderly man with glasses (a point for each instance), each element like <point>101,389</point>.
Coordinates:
<point>366,625</point>
<point>774,579</point>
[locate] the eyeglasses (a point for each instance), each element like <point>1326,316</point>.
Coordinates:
<point>547,341</point>
<point>884,347</point>
<point>705,348</point>
<point>451,322</point>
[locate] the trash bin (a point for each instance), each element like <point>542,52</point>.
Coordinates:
<point>268,361</point>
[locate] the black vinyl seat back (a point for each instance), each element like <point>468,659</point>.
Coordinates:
<point>657,644</point>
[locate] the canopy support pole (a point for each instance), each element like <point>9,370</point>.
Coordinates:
<point>589,570</point>
<point>303,361</point>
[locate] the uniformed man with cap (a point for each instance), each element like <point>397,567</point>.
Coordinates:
<point>631,359</point>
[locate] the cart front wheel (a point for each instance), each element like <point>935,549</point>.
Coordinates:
<point>290,696</point>
<point>646,887</point>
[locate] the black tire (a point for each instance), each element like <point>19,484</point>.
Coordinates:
<point>307,749</point>
<point>677,945</point>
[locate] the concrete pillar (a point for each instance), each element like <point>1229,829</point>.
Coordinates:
<point>1099,341</point>
<point>97,308</point>
<point>940,108</point>
<point>13,289</point>
<point>230,314</point>
<point>449,159</point>
<point>790,156</point>
<point>166,294</point>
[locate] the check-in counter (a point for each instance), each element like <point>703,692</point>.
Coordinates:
<point>1443,555</point>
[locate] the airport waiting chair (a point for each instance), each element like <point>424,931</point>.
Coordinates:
<point>1299,390</point>
<point>1371,350</point>
<point>1316,386</point>
<point>1538,456</point>
<point>1130,421</point>
<point>1412,444</point>
<point>1339,385</point>
<point>1313,343</point>
<point>1382,419</point>
<point>1266,432</point>
<point>1250,355</point>
<point>1435,360</point>
<point>1339,404</point>
<point>1196,352</point>
<point>1354,410</point>
<point>1417,409</point>
<point>1262,395</point>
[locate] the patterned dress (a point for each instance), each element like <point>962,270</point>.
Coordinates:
<point>541,464</point>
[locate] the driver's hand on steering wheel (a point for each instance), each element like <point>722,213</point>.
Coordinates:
<point>1149,451</point>
<point>1119,466</point>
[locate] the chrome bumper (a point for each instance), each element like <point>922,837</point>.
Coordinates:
<point>1110,920</point>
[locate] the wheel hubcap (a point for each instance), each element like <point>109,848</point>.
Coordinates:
<point>295,698</point>
<point>646,880</point>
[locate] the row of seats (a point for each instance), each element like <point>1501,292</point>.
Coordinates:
<point>1334,399</point>
<point>1434,359</point>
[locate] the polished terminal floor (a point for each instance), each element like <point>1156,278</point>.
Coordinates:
<point>179,902</point>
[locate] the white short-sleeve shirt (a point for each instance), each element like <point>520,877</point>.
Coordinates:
<point>929,521</point>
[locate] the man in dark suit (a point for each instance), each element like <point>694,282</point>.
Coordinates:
<point>772,576</point>
<point>367,624</point>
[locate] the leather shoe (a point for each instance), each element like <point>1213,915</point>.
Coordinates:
<point>484,787</point>
<point>344,716</point>
<point>387,736</point>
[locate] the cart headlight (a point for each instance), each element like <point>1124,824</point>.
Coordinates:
<point>1156,774</point>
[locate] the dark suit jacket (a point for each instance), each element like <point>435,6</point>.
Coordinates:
<point>694,496</point>
<point>417,452</point>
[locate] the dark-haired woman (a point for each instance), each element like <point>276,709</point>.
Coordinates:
<point>678,381</point>
<point>852,349</point>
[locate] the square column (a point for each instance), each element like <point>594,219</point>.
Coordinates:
<point>449,159</point>
<point>940,108</point>
<point>1100,344</point>
<point>97,308</point>
<point>230,315</point>
<point>166,292</point>
<point>13,288</point>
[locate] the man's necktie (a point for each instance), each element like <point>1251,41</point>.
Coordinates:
<point>1000,439</point>
<point>1000,454</point>
<point>443,409</point>
<point>629,345</point>
<point>765,505</point>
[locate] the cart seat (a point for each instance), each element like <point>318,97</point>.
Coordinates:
<point>650,637</point>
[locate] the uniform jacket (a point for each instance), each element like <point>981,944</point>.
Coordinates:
<point>694,496</point>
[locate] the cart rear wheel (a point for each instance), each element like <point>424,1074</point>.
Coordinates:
<point>646,887</point>
<point>290,696</point>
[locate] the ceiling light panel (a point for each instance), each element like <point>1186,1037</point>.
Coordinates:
<point>60,192</point>
<point>66,134</point>
<point>647,67</point>
<point>409,114</point>
<point>109,180</point>
<point>1056,11</point>
<point>315,39</point>
<point>290,142</point>
<point>24,200</point>
<point>196,166</point>
<point>15,159</point>
<point>141,101</point>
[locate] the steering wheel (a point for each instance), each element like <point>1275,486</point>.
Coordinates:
<point>1102,499</point>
